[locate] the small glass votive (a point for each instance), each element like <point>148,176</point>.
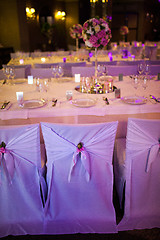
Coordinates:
<point>69,95</point>
<point>19,98</point>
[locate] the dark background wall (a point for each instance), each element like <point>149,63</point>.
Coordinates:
<point>141,16</point>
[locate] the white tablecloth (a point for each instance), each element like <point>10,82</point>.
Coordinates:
<point>57,89</point>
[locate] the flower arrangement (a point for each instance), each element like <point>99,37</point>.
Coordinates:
<point>76,31</point>
<point>96,33</point>
<point>124,30</point>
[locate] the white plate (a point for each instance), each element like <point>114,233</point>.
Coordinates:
<point>134,100</point>
<point>64,79</point>
<point>30,104</point>
<point>84,102</point>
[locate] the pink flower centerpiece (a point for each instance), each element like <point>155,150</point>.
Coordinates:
<point>124,31</point>
<point>96,35</point>
<point>76,33</point>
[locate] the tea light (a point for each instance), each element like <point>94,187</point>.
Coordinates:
<point>69,94</point>
<point>109,84</point>
<point>77,77</point>
<point>43,59</point>
<point>19,97</point>
<point>21,61</point>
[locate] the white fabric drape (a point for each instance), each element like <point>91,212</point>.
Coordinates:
<point>80,187</point>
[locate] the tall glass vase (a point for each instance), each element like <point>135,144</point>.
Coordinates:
<point>96,63</point>
<point>77,45</point>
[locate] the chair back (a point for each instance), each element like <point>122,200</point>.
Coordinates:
<point>21,205</point>
<point>80,175</point>
<point>142,198</point>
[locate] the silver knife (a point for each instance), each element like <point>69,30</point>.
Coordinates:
<point>4,105</point>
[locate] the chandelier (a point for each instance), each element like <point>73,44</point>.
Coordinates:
<point>94,1</point>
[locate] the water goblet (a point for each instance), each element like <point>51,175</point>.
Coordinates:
<point>54,71</point>
<point>12,74</point>
<point>140,69</point>
<point>135,82</point>
<point>6,71</point>
<point>147,70</point>
<point>87,84</point>
<point>60,71</point>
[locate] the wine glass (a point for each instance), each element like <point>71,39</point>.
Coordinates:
<point>140,69</point>
<point>100,70</point>
<point>12,74</point>
<point>135,82</point>
<point>147,70</point>
<point>144,83</point>
<point>54,71</point>
<point>87,84</point>
<point>6,71</point>
<point>60,71</point>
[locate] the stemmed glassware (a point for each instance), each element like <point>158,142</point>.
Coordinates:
<point>135,82</point>
<point>12,74</point>
<point>6,71</point>
<point>102,70</point>
<point>57,71</point>
<point>87,84</point>
<point>140,69</point>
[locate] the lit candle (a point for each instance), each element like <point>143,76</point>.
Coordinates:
<point>43,59</point>
<point>21,61</point>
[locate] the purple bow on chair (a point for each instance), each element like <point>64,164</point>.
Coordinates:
<point>84,156</point>
<point>7,164</point>
<point>152,154</point>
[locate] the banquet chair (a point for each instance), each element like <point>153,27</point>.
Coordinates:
<point>151,52</point>
<point>125,70</point>
<point>41,72</point>
<point>67,67</point>
<point>83,71</point>
<point>154,69</point>
<point>137,167</point>
<point>21,71</point>
<point>45,65</point>
<point>137,51</point>
<point>22,186</point>
<point>79,178</point>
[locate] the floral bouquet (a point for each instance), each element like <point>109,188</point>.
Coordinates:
<point>96,33</point>
<point>76,31</point>
<point>124,30</point>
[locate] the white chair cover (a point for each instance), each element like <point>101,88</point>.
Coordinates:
<point>125,70</point>
<point>154,69</point>
<point>80,189</point>
<point>137,51</point>
<point>45,65</point>
<point>42,72</point>
<point>21,205</point>
<point>151,52</point>
<point>84,71</point>
<point>67,67</point>
<point>142,175</point>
